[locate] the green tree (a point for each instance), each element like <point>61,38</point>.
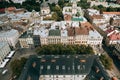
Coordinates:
<point>55,16</point>
<point>61,3</point>
<point>107,61</point>
<point>59,49</point>
<point>17,66</point>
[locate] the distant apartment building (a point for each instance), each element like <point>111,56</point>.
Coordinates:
<point>4,51</point>
<point>95,17</point>
<point>10,36</point>
<point>115,21</point>
<point>109,15</point>
<point>105,3</point>
<point>68,33</point>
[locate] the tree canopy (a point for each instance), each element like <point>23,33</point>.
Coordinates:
<point>84,4</point>
<point>17,66</point>
<point>107,62</point>
<point>109,9</point>
<point>28,4</point>
<point>59,49</point>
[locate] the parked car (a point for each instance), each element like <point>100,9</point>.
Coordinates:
<point>4,71</point>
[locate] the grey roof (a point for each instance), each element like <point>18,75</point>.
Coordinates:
<point>54,32</point>
<point>59,64</point>
<point>2,44</point>
<point>8,33</point>
<point>26,35</point>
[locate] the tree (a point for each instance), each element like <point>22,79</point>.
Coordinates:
<point>17,66</point>
<point>84,4</point>
<point>61,3</point>
<point>107,61</point>
<point>59,49</point>
<point>55,16</point>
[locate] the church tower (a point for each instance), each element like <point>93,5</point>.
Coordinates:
<point>74,7</point>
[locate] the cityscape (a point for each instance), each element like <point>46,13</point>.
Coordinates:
<point>59,39</point>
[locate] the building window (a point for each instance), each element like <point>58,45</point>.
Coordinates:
<point>48,67</point>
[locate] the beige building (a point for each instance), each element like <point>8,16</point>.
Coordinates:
<point>68,33</point>
<point>116,21</point>
<point>97,19</point>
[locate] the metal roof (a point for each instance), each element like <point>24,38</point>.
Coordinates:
<point>54,32</point>
<point>56,65</point>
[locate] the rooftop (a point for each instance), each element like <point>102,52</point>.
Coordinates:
<point>54,32</point>
<point>97,16</point>
<point>94,34</point>
<point>8,33</point>
<point>59,64</point>
<point>63,65</point>
<point>116,13</point>
<point>77,19</point>
<point>114,36</point>
<point>2,44</point>
<point>25,35</point>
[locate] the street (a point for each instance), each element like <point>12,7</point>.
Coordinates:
<point>18,54</point>
<point>116,64</point>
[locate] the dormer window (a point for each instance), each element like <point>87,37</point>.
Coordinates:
<point>48,67</point>
<point>63,67</point>
<point>57,67</point>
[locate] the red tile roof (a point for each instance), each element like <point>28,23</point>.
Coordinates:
<point>11,8</point>
<point>114,36</point>
<point>67,17</point>
<point>117,13</point>
<point>97,17</point>
<point>83,29</point>
<point>109,30</point>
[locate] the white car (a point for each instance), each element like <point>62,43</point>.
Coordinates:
<point>4,71</point>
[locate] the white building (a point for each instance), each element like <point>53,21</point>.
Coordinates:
<point>4,51</point>
<point>10,36</point>
<point>17,1</point>
<point>45,9</point>
<point>95,39</point>
<point>67,32</point>
<point>95,17</point>
<point>73,10</point>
